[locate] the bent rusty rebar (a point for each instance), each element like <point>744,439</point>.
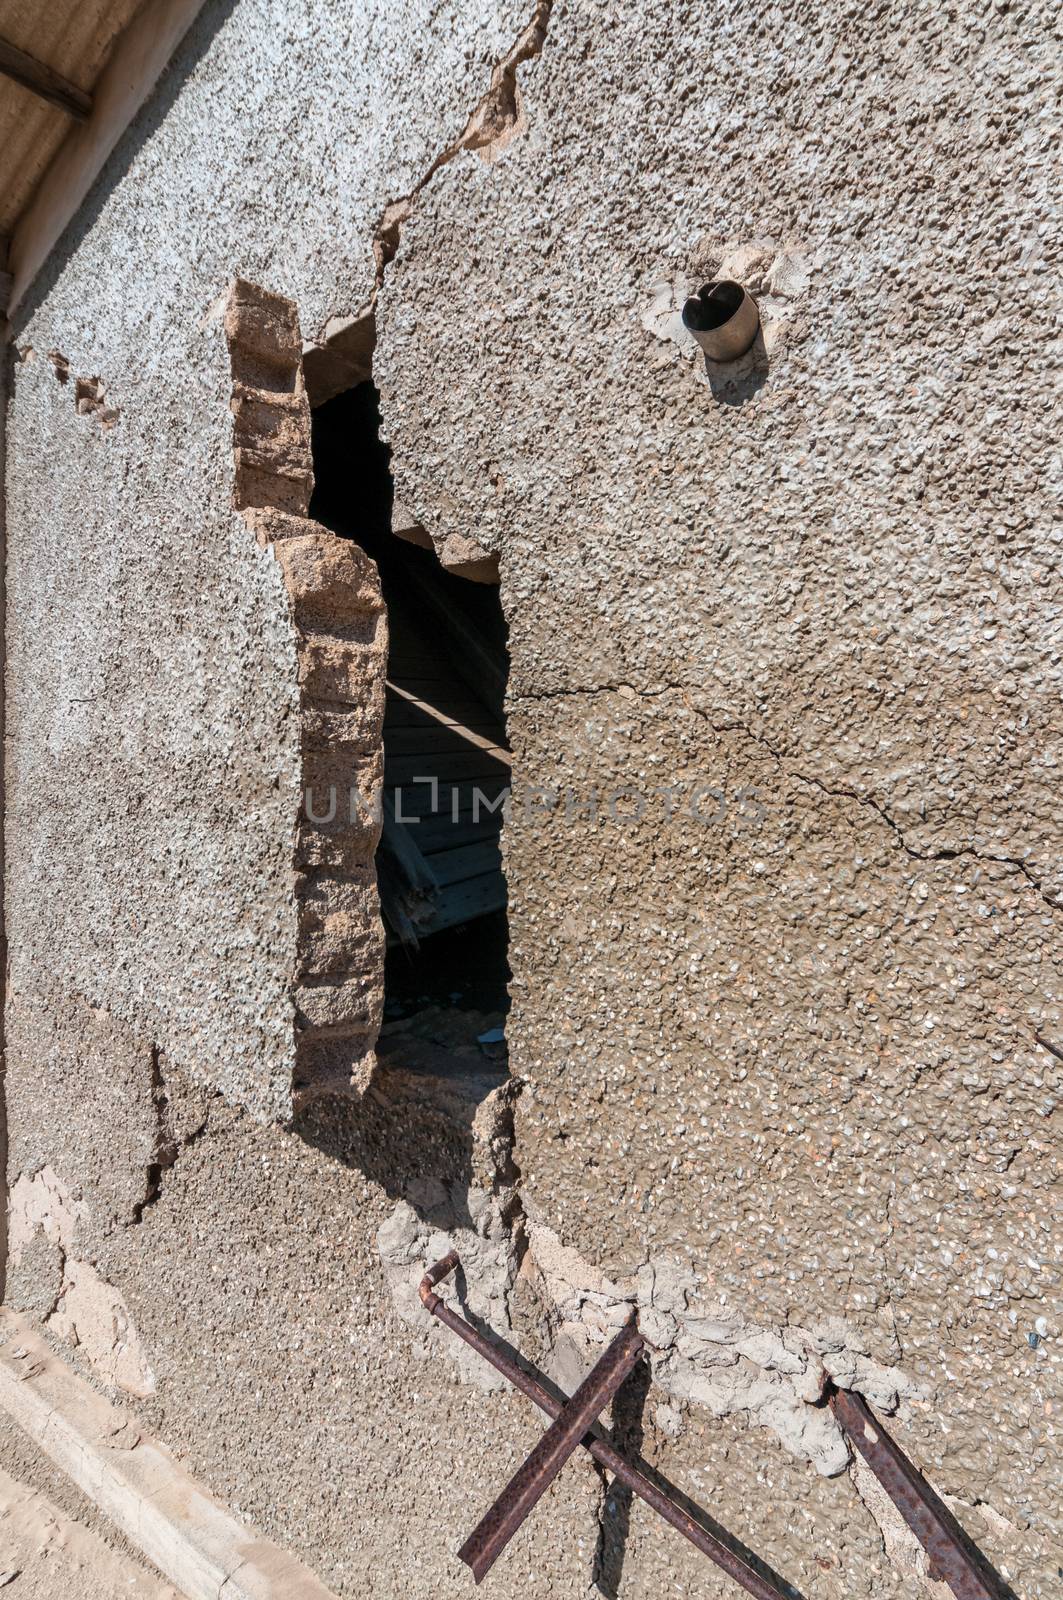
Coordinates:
<point>728,1560</point>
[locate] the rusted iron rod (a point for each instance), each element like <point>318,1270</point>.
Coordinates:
<point>932,1523</point>
<point>560,1441</point>
<point>725,1558</point>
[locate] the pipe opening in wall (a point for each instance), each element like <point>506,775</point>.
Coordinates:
<point>723,319</point>
<point>446,766</point>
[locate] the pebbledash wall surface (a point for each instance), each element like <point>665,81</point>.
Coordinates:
<point>784,880</point>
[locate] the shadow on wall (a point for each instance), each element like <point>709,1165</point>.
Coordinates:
<point>438,1108</point>
<point>734,382</point>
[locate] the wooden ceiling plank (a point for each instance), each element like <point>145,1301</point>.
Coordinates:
<point>44,82</point>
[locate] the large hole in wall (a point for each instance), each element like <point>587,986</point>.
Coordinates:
<point>446,767</point>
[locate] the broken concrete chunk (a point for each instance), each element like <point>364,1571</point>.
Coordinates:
<point>841,1364</point>
<point>666,1284</point>
<point>467,559</point>
<point>769,1351</point>
<point>714,1330</point>
<point>657,1328</point>
<point>397,1237</point>
<point>330,581</point>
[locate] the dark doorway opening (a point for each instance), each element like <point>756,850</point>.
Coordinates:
<point>446,765</point>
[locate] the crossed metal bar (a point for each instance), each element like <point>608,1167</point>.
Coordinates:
<point>951,1558</point>
<point>509,1514</point>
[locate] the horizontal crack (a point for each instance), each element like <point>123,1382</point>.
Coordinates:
<point>621,687</point>
<point>947,854</point>
<point>868,801</point>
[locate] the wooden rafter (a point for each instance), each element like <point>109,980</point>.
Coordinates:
<point>44,81</point>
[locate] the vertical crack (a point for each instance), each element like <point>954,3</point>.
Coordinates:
<point>166,1149</point>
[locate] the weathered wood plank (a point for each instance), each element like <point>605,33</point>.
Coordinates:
<point>467,652</point>
<point>139,56</point>
<point>456,766</point>
<point>440,739</point>
<point>400,844</point>
<point>466,861</point>
<point>436,834</point>
<point>464,901</point>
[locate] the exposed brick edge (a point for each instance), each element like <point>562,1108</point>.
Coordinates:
<point>340,624</point>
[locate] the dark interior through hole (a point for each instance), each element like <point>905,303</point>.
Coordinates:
<point>439,864</point>
<point>713,305</point>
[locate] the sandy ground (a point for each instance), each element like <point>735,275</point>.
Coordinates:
<point>45,1555</point>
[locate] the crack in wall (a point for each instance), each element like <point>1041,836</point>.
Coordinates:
<point>497,119</point>
<point>167,1145</point>
<point>868,801</point>
<point>948,853</point>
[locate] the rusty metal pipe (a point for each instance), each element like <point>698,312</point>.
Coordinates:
<point>723,318</point>
<point>932,1523</point>
<point>725,1558</point>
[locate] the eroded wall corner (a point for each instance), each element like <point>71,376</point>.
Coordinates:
<point>341,632</point>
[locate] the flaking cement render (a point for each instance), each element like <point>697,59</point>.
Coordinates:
<point>786,1063</point>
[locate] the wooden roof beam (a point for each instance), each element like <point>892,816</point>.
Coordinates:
<point>5,275</point>
<point>44,81</point>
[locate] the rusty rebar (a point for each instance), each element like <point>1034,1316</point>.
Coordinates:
<point>725,1558</point>
<point>560,1441</point>
<point>932,1523</point>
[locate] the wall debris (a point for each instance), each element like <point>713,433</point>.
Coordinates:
<point>90,401</point>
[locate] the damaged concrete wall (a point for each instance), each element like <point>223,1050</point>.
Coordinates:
<point>152,665</point>
<point>784,671</point>
<point>777,1005</point>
